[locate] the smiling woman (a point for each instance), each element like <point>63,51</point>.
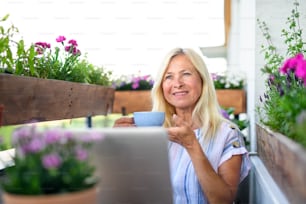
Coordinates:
<point>200,138</point>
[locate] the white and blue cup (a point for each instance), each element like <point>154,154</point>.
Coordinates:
<point>149,118</point>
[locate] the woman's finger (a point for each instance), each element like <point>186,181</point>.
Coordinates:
<point>124,122</point>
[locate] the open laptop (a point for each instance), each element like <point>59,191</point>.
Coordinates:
<point>133,166</point>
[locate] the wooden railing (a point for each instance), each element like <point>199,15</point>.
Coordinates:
<point>26,99</point>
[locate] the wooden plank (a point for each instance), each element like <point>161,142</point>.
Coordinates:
<point>285,161</point>
<point>133,101</point>
<point>127,102</point>
<point>28,98</point>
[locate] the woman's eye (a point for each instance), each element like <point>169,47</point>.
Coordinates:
<point>187,73</point>
<point>168,77</point>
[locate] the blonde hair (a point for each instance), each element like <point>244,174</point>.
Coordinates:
<point>207,109</point>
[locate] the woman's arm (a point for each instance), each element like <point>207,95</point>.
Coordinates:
<point>218,187</point>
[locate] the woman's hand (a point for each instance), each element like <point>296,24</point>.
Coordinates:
<point>124,122</point>
<point>181,133</point>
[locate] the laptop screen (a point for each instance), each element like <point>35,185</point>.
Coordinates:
<point>132,165</point>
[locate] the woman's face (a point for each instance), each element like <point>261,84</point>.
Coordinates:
<point>182,84</point>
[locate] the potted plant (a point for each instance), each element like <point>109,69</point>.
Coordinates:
<point>129,89</point>
<point>280,140</point>
<point>50,166</point>
<point>55,81</point>
<point>230,90</point>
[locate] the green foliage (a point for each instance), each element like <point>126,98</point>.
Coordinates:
<point>228,113</point>
<point>285,95</point>
<point>93,74</point>
<point>62,62</point>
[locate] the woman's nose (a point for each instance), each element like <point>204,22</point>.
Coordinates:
<point>178,82</point>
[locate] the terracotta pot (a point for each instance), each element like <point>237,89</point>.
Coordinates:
<point>83,197</point>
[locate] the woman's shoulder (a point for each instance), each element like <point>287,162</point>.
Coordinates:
<point>227,126</point>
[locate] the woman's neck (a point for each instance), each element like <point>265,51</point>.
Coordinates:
<point>187,117</point>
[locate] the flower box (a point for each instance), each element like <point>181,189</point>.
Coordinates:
<point>127,102</point>
<point>232,98</point>
<point>130,101</point>
<point>29,98</point>
<point>285,161</point>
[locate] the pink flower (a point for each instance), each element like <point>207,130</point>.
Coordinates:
<point>60,39</point>
<point>36,145</point>
<point>291,63</point>
<point>42,45</point>
<point>52,136</point>
<point>300,71</point>
<point>135,85</point>
<point>51,161</point>
<point>73,42</point>
<point>81,154</point>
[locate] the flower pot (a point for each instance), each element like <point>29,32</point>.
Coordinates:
<point>285,161</point>
<point>89,196</point>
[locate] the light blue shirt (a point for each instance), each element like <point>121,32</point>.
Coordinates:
<point>227,142</point>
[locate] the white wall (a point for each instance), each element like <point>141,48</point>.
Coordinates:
<point>241,50</point>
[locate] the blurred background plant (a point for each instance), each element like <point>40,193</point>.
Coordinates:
<point>228,113</point>
<point>50,161</point>
<point>228,80</point>
<point>242,123</point>
<point>284,99</point>
<point>41,60</point>
<point>133,82</point>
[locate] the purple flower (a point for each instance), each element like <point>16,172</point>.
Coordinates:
<point>51,161</point>
<point>52,136</point>
<point>214,76</point>
<point>60,39</point>
<point>81,154</point>
<point>21,134</point>
<point>91,137</point>
<point>35,145</point>
<point>225,114</point>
